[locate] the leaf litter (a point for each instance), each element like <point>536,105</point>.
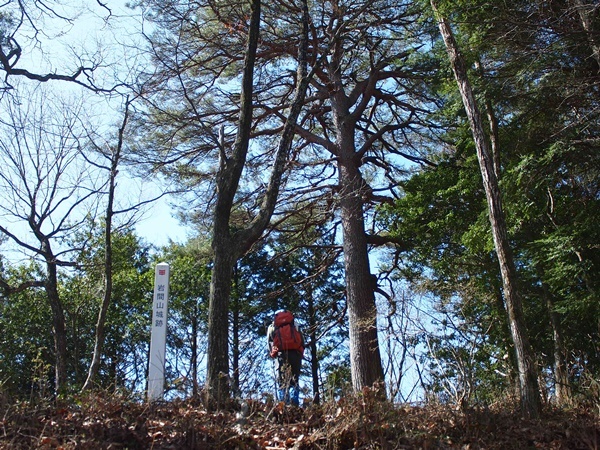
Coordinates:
<point>112,422</point>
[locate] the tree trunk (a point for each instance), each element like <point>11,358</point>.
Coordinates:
<point>529,392</point>
<point>217,375</point>
<point>312,334</point>
<point>562,386</point>
<point>225,250</point>
<point>365,359</point>
<point>108,262</point>
<point>106,300</point>
<point>494,128</point>
<point>586,14</point>
<point>194,356</point>
<point>58,324</point>
<point>227,247</point>
<point>235,339</point>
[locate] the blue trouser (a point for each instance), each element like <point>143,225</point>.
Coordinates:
<point>283,395</point>
<point>288,366</point>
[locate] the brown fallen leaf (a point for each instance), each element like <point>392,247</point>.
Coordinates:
<point>49,441</point>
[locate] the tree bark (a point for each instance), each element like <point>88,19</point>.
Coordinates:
<point>365,359</point>
<point>218,326</point>
<point>562,386</point>
<point>312,334</point>
<point>58,320</point>
<point>194,356</point>
<point>493,125</point>
<point>235,338</point>
<point>528,382</point>
<point>366,366</point>
<point>586,14</point>
<point>223,243</point>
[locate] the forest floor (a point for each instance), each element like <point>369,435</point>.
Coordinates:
<point>101,422</point>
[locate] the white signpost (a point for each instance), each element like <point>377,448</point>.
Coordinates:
<point>158,338</point>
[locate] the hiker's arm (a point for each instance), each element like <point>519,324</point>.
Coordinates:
<point>270,332</point>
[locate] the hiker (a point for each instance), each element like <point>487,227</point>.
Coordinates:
<point>286,344</point>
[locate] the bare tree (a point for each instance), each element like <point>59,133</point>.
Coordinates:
<point>113,156</point>
<point>108,156</point>
<point>30,32</point>
<point>47,193</point>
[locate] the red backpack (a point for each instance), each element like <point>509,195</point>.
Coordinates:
<point>286,336</point>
